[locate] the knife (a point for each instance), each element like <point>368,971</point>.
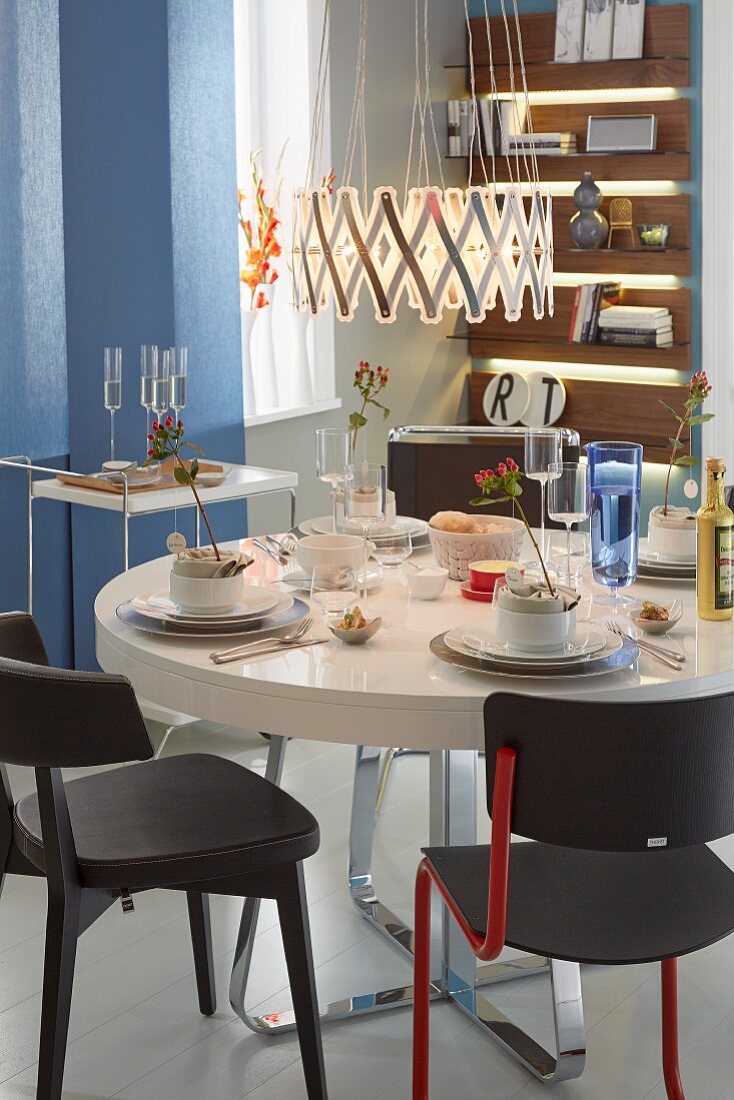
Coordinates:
<point>273,649</point>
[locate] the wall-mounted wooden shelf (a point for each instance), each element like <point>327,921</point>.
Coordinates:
<point>606,410</point>
<point>665,63</point>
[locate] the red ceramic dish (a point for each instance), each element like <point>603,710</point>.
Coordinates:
<point>470,593</point>
<point>485,574</point>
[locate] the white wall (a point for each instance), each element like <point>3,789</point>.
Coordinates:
<point>428,372</point>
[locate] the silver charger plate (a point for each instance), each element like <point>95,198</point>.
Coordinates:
<point>269,624</point>
<point>623,658</point>
<point>600,645</point>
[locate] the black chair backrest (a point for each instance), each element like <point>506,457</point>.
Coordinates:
<point>429,477</point>
<point>53,718</point>
<point>618,777</point>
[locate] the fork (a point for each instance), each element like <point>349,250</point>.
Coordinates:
<point>667,657</point>
<point>295,636</point>
<point>281,559</point>
<point>287,545</point>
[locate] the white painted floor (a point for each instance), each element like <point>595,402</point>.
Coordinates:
<point>136,1031</point>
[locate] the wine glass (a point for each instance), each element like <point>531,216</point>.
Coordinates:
<point>148,367</point>
<point>392,550</point>
<point>365,503</point>
<point>178,370</point>
<point>333,453</point>
<point>112,389</point>
<point>568,499</point>
<point>160,385</point>
<point>615,475</point>
<point>542,449</point>
<point>333,591</point>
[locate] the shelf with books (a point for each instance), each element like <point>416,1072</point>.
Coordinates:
<point>665,64</point>
<point>677,357</point>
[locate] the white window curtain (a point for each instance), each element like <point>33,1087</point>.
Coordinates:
<point>276,59</point>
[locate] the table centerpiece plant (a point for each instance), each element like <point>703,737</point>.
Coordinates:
<point>368,383</point>
<point>166,441</point>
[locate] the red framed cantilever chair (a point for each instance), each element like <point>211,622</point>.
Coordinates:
<point>618,803</point>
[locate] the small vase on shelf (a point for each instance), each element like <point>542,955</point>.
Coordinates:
<point>301,388</point>
<point>588,228</point>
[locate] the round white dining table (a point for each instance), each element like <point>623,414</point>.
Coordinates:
<point>394,693</point>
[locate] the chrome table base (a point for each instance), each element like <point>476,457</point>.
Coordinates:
<point>453,821</point>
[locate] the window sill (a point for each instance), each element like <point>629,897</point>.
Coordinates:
<point>272,416</point>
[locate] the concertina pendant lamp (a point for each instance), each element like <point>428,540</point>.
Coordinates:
<point>441,247</point>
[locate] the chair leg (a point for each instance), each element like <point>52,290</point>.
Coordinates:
<point>294,927</point>
<point>421,985</point>
<point>201,941</point>
<point>671,1070</point>
<point>62,930</point>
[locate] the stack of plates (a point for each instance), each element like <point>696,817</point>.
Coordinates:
<point>418,528</point>
<point>651,565</point>
<point>262,611</point>
<point>591,652</point>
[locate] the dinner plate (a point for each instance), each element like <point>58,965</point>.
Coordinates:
<point>300,580</point>
<point>269,625</point>
<point>587,642</point>
<point>612,661</point>
<point>651,559</point>
<point>160,605</point>
<point>256,600</point>
<point>418,528</point>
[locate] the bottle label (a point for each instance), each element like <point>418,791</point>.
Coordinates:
<point>724,572</point>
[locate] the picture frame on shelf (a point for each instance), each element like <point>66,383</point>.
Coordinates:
<point>569,46</point>
<point>629,29</point>
<point>598,30</point>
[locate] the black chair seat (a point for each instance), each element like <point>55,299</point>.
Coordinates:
<point>176,820</point>
<point>597,907</point>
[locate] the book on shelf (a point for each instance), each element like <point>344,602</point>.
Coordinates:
<point>656,338</point>
<point>464,125</point>
<point>498,123</point>
<point>590,301</point>
<point>638,318</point>
<point>452,117</point>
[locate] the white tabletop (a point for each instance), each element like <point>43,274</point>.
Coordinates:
<point>393,692</point>
<point>241,482</point>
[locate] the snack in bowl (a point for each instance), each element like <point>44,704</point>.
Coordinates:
<point>458,539</point>
<point>653,612</point>
<point>354,629</point>
<point>353,620</point>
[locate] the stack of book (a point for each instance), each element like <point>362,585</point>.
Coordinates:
<point>636,326</point>
<point>560,144</point>
<point>591,301</point>
<point>495,126</point>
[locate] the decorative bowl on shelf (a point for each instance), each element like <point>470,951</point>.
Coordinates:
<point>653,236</point>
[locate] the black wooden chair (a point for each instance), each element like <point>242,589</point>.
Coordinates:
<point>619,801</point>
<point>195,823</point>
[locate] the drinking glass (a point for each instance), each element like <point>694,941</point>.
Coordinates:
<point>568,499</point>
<point>333,591</point>
<point>542,449</point>
<point>333,454</point>
<point>365,502</point>
<point>392,550</point>
<point>178,372</point>
<point>558,557</point>
<point>160,385</point>
<point>148,368</point>
<point>615,474</point>
<point>112,389</point>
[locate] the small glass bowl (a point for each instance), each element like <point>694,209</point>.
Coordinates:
<point>653,236</point>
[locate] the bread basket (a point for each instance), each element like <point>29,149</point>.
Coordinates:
<point>454,550</point>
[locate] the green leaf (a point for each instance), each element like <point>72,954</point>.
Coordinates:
<point>685,460</point>
<point>675,443</point>
<point>356,420</point>
<point>478,502</point>
<point>702,419</point>
<point>181,475</point>
<point>192,446</point>
<point>194,469</point>
<point>671,411</point>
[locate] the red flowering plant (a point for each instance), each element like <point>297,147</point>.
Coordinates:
<point>166,441</point>
<point>262,242</point>
<point>501,486</point>
<point>368,383</point>
<point>698,391</point>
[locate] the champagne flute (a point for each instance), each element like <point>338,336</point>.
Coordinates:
<point>333,454</point>
<point>161,386</point>
<point>365,503</point>
<point>112,389</point>
<point>148,367</point>
<point>569,499</point>
<point>542,449</point>
<point>178,372</point>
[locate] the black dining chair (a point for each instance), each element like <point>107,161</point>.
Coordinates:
<point>618,802</point>
<point>194,823</point>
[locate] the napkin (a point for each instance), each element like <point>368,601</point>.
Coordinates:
<point>531,597</point>
<point>677,519</point>
<point>203,563</point>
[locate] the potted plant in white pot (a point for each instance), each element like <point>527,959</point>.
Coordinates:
<point>671,529</point>
<point>207,580</point>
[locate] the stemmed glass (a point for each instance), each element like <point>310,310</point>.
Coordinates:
<point>333,454</point>
<point>148,368</point>
<point>542,449</point>
<point>160,385</point>
<point>178,371</point>
<point>365,503</point>
<point>112,389</point>
<point>569,500</point>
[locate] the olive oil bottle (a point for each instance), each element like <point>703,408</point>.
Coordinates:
<point>715,548</point>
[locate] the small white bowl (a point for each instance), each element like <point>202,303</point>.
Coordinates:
<point>359,636</point>
<point>535,632</point>
<point>344,551</point>
<point>427,584</point>
<point>652,626</point>
<point>215,594</point>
